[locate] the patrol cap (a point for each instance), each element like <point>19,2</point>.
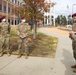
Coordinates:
<point>3,17</point>
<point>22,17</point>
<point>73,15</point>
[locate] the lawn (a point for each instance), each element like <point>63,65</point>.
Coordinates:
<point>42,46</point>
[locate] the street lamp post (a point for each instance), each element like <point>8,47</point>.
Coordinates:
<point>73,8</point>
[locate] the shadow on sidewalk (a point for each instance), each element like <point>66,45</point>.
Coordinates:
<point>68,61</point>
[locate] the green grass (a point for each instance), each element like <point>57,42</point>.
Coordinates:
<point>13,33</point>
<point>45,46</point>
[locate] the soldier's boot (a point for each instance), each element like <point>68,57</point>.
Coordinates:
<point>19,55</point>
<point>1,54</point>
<point>26,56</point>
<point>74,70</point>
<point>8,53</point>
<point>74,66</point>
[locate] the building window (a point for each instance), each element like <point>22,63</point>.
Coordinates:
<point>13,1</point>
<point>9,21</point>
<point>4,8</point>
<point>52,17</point>
<point>0,6</point>
<point>0,20</point>
<point>9,9</point>
<point>18,3</point>
<point>12,22</point>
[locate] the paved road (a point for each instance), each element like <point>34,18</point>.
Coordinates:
<point>38,65</point>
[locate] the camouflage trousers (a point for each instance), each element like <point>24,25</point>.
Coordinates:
<point>23,46</point>
<point>4,44</point>
<point>74,49</point>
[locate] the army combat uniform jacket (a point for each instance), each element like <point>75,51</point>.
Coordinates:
<point>23,33</point>
<point>4,36</point>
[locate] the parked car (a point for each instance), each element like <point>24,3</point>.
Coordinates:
<point>69,26</point>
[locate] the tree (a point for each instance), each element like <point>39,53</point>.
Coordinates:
<point>34,10</point>
<point>69,19</point>
<point>61,20</point>
<point>64,21</point>
<point>58,19</point>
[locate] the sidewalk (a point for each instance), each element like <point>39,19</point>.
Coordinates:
<point>41,66</point>
<point>31,66</point>
<point>64,58</point>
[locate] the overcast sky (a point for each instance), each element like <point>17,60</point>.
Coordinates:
<point>61,7</point>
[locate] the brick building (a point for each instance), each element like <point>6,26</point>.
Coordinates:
<point>9,8</point>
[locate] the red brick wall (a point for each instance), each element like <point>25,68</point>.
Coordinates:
<point>10,15</point>
<point>0,1</point>
<point>4,4</point>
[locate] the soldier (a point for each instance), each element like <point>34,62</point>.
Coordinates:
<point>72,35</point>
<point>4,36</point>
<point>23,33</point>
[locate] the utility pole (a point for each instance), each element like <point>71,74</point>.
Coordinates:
<point>73,8</point>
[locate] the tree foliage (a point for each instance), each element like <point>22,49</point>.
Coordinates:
<point>61,20</point>
<point>34,9</point>
<point>69,19</point>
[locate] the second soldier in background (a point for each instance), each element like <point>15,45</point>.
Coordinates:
<point>23,33</point>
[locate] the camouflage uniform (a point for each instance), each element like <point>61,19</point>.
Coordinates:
<point>73,37</point>
<point>4,37</point>
<point>23,30</point>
